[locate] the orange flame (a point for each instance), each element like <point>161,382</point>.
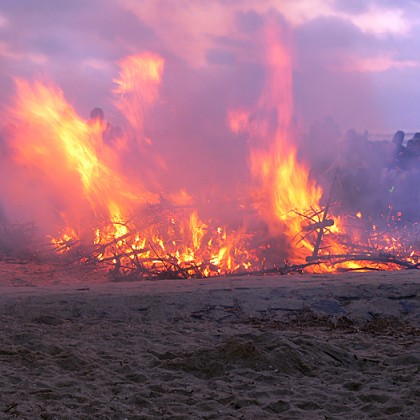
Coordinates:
<point>56,143</point>
<point>137,87</point>
<point>284,188</point>
<point>69,156</point>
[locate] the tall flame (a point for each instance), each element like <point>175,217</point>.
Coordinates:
<point>56,142</point>
<point>137,87</point>
<point>284,187</point>
<point>98,203</point>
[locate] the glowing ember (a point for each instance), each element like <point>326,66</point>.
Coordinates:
<point>66,241</point>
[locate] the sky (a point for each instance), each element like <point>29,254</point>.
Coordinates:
<point>355,61</point>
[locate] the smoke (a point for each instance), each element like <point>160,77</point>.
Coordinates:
<point>337,48</point>
<point>346,73</point>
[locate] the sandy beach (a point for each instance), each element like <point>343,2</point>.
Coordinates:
<point>75,345</point>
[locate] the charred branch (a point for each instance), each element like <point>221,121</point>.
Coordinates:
<point>380,258</point>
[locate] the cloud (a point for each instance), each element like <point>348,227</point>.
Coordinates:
<point>354,7</point>
<point>3,21</point>
<point>377,64</point>
<point>213,47</point>
<point>382,21</point>
<point>220,56</point>
<point>339,45</point>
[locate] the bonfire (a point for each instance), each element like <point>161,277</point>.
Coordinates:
<point>93,205</point>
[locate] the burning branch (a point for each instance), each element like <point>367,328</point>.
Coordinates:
<point>324,222</point>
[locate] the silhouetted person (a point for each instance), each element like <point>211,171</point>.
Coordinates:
<point>97,114</point>
<point>109,134</point>
<point>97,117</point>
<point>413,145</point>
<point>401,156</point>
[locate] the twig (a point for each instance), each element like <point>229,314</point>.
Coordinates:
<point>11,407</point>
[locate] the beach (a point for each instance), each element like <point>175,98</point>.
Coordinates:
<point>313,346</point>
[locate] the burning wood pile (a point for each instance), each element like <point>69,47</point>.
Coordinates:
<point>166,242</point>
<point>101,196</point>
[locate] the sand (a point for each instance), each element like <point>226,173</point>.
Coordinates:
<point>75,345</point>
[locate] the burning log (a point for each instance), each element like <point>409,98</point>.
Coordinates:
<point>380,258</point>
<point>167,241</point>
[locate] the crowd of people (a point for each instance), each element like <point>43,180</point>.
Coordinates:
<point>380,179</point>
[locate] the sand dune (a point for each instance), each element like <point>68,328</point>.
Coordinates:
<point>74,345</point>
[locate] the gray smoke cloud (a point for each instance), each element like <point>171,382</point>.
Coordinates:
<point>358,71</point>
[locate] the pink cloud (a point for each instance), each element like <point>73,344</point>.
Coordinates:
<point>375,64</point>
